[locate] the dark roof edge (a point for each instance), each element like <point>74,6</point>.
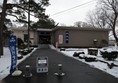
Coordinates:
<point>77,28</point>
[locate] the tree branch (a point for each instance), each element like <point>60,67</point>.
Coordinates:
<point>13,15</point>
<point>26,10</point>
<point>18,18</point>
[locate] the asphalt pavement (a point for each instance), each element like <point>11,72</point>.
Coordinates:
<point>75,71</point>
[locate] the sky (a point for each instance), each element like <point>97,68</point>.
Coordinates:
<point>68,18</point>
<point>71,16</point>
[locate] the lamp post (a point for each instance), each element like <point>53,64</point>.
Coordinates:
<point>2,19</point>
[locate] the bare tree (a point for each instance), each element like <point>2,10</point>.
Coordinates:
<point>62,24</point>
<point>97,19</point>
<point>110,9</point>
<point>78,24</point>
<point>91,18</point>
<point>81,24</point>
<point>106,15</point>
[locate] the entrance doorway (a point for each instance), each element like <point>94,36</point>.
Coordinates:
<point>44,37</point>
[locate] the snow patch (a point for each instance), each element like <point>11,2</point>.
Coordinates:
<point>5,62</point>
<point>99,65</point>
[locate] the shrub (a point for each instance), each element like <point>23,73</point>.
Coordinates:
<point>114,54</point>
<point>77,54</point>
<point>24,52</point>
<point>111,65</point>
<point>20,50</point>
<point>104,42</point>
<point>34,46</point>
<point>109,55</point>
<point>90,59</point>
<point>62,49</point>
<point>20,43</point>
<point>82,56</point>
<point>31,48</point>
<point>19,57</point>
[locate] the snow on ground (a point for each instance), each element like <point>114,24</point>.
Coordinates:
<point>5,62</point>
<point>99,65</point>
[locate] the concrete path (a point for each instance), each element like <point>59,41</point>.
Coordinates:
<point>75,71</point>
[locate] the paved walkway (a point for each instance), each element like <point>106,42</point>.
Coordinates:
<point>76,71</point>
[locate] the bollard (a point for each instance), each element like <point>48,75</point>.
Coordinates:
<point>56,44</point>
<point>60,71</point>
<point>27,72</point>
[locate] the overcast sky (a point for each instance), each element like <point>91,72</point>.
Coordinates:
<point>71,16</point>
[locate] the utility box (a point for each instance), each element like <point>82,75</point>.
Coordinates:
<point>42,65</point>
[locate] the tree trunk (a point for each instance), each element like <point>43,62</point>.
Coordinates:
<point>113,28</point>
<point>28,43</point>
<point>1,26</point>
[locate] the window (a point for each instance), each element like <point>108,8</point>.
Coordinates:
<point>25,37</point>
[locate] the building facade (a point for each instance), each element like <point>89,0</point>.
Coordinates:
<point>80,37</point>
<point>67,36</point>
<point>23,34</point>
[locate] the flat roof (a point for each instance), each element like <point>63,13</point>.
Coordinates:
<point>25,28</point>
<point>19,28</point>
<point>78,28</point>
<point>66,28</point>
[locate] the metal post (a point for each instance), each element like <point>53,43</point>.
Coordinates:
<point>2,18</point>
<point>60,72</point>
<point>27,72</point>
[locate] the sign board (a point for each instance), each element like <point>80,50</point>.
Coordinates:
<point>12,47</point>
<point>42,65</point>
<point>60,39</point>
<point>42,61</point>
<point>67,37</point>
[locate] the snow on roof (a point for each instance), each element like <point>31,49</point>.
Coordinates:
<point>42,29</point>
<point>20,28</point>
<point>25,28</point>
